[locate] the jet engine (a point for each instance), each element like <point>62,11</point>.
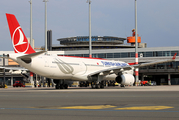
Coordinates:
<point>125,79</point>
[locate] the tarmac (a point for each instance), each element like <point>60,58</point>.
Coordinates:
<point>111,88</point>
<point>131,102</point>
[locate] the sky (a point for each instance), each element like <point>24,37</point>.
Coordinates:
<point>158,20</point>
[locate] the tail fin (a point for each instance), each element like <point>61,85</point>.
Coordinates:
<point>19,40</point>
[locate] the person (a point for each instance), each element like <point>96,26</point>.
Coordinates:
<point>133,32</point>
<point>150,82</point>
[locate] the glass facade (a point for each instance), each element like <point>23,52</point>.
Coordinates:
<point>8,80</point>
<point>117,55</point>
<point>170,65</point>
<point>130,54</point>
<point>109,55</point>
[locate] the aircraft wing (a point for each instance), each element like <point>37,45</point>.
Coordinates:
<point>155,62</point>
<point>119,69</point>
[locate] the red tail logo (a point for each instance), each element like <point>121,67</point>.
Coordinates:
<point>19,40</point>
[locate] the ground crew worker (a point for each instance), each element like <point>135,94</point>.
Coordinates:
<point>133,32</point>
<point>150,82</point>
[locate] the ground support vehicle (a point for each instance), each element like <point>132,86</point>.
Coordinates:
<point>18,84</point>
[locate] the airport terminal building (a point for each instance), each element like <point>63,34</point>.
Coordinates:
<point>113,48</point>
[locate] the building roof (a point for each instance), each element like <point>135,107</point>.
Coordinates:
<point>95,40</point>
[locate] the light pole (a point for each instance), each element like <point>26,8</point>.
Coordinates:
<point>45,32</point>
<point>136,45</point>
<point>90,53</point>
<point>31,42</point>
<point>45,24</point>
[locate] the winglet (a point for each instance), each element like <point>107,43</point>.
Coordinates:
<point>174,56</point>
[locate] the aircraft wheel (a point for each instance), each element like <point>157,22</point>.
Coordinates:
<point>61,86</point>
<point>65,86</point>
<point>101,86</point>
<point>81,85</point>
<point>92,86</point>
<point>97,86</point>
<point>57,86</point>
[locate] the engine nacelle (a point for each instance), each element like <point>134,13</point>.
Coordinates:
<point>125,79</point>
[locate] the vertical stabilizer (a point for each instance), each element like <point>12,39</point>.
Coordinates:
<point>19,40</point>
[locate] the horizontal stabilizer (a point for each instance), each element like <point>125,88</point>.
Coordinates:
<point>28,58</point>
<point>32,55</point>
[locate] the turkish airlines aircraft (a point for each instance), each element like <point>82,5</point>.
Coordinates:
<point>69,68</point>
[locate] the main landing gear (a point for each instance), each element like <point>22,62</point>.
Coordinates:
<point>97,85</point>
<point>60,84</point>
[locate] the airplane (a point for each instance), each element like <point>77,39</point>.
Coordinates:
<point>94,70</point>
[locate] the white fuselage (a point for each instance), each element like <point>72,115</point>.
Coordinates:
<point>71,68</point>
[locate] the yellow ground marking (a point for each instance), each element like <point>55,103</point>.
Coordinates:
<point>88,107</point>
<point>145,108</point>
